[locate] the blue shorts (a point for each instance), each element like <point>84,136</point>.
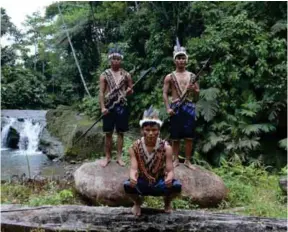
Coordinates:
<point>183,121</point>
<point>157,189</point>
<point>117,117</point>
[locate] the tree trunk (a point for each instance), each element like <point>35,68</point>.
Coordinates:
<point>73,52</point>
<point>84,218</point>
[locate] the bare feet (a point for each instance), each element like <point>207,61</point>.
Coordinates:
<point>176,163</point>
<point>120,162</point>
<point>136,210</point>
<point>188,164</point>
<point>105,162</point>
<point>168,209</point>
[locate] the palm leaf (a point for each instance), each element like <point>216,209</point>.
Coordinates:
<point>74,31</point>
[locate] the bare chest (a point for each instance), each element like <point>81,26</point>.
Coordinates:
<point>117,76</point>
<point>182,80</point>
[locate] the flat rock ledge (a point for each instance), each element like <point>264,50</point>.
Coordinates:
<point>86,218</point>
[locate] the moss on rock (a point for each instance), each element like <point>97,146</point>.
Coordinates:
<point>68,125</point>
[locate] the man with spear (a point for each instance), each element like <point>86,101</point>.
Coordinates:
<point>115,85</point>
<point>185,91</point>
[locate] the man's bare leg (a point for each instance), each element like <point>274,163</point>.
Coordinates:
<point>188,152</point>
<point>120,139</point>
<point>175,147</point>
<point>137,200</point>
<point>167,203</point>
<point>108,147</point>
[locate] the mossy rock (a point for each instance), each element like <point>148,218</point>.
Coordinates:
<point>68,125</point>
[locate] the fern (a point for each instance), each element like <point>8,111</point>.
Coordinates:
<point>258,128</point>
<point>248,143</point>
<point>219,126</point>
<point>280,25</point>
<point>207,109</point>
<point>248,113</point>
<point>209,94</point>
<point>213,140</point>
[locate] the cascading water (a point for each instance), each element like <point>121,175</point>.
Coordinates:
<point>20,135</point>
<point>5,130</point>
<point>29,132</point>
<point>29,136</point>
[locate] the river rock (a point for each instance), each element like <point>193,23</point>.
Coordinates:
<point>50,145</point>
<point>13,138</point>
<point>67,126</point>
<point>203,187</point>
<point>102,185</point>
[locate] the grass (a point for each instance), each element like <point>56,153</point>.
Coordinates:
<point>252,191</point>
<point>35,194</point>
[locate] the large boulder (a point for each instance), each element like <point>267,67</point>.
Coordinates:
<point>50,145</point>
<point>102,185</point>
<point>105,185</point>
<point>68,125</point>
<point>203,187</point>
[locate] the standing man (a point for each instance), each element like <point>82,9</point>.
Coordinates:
<point>151,172</point>
<point>115,84</point>
<point>180,83</point>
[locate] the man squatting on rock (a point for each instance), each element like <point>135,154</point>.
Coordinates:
<point>115,83</point>
<point>151,171</point>
<point>182,115</point>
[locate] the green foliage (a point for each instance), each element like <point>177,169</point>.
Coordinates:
<point>91,107</point>
<point>243,91</point>
<point>21,88</point>
<point>63,197</point>
<point>14,193</point>
<point>283,143</point>
<point>51,193</point>
<point>7,27</point>
<point>252,188</point>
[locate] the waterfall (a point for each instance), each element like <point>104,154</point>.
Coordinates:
<point>29,136</point>
<point>5,130</point>
<point>29,133</point>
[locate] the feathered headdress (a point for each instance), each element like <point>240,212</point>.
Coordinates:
<point>151,115</point>
<point>115,51</point>
<point>178,50</point>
